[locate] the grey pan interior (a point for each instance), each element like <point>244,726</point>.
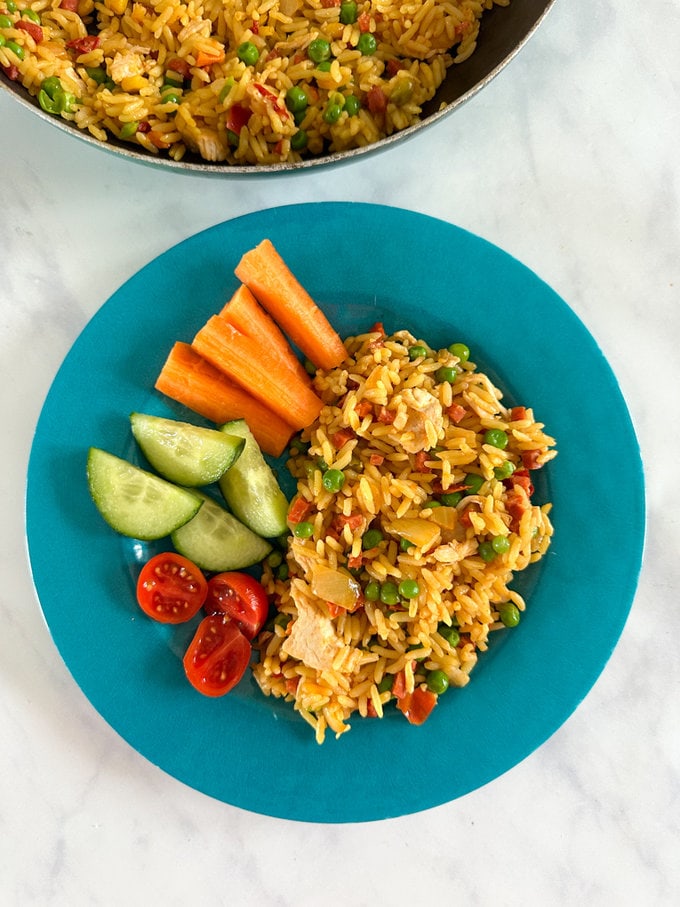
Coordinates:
<point>504,32</point>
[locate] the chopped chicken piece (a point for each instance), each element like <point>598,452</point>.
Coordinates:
<point>453,552</point>
<point>425,420</point>
<point>312,639</point>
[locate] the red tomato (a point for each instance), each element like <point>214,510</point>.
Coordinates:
<point>416,706</point>
<point>217,656</point>
<point>240,597</point>
<point>170,588</point>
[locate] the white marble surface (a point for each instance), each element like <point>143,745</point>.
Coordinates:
<point>569,160</point>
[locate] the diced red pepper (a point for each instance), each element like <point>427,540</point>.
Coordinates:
<point>376,100</point>
<point>370,710</point>
<point>518,413</point>
<point>292,684</point>
<point>255,27</point>
<point>328,4</point>
<point>32,28</point>
<point>464,516</point>
<point>377,328</point>
<point>421,459</point>
<point>299,510</point>
<point>456,412</point>
<point>393,66</point>
<point>354,521</point>
<point>84,45</point>
<point>11,71</point>
<point>333,609</point>
<point>385,415</point>
<point>144,126</point>
<point>417,706</point>
<point>237,118</point>
<point>399,685</point>
<point>273,99</point>
<point>341,437</point>
<point>364,22</point>
<point>363,408</point>
<point>522,478</point>
<point>70,5</point>
<point>158,139</point>
<point>376,459</point>
<point>530,459</point>
<point>179,65</point>
<point>516,504</point>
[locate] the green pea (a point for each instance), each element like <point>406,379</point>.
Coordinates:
<point>446,373</point>
<point>248,53</point>
<point>282,572</point>
<point>509,614</point>
<point>385,685</point>
<point>303,530</point>
<point>11,6</point>
<point>48,104</point>
<point>298,445</point>
<point>51,86</point>
<point>127,130</point>
<point>226,88</point>
<point>371,539</point>
<point>372,591</point>
<point>505,470</point>
<point>486,551</point>
<point>3,40</point>
<point>450,634</point>
<point>170,97</point>
<point>348,12</point>
<point>389,594</point>
<point>324,66</point>
<point>473,482</point>
<point>333,480</point>
<point>299,140</point>
<point>319,50</point>
<point>321,463</point>
<point>367,44</point>
<point>460,350</point>
<point>310,368</point>
<point>408,588</point>
<point>31,15</point>
<point>405,545</point>
<point>496,437</point>
<point>332,114</point>
<point>296,99</point>
<point>451,499</point>
<point>433,504</point>
<point>6,22</point>
<point>233,138</point>
<point>17,49</point>
<point>417,351</point>
<point>402,91</point>
<point>97,74</point>
<point>500,544</point>
<point>352,105</point>
<point>275,559</point>
<point>67,101</point>
<point>437,682</point>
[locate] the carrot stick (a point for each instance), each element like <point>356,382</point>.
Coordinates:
<point>264,271</point>
<point>192,381</point>
<point>243,360</point>
<point>248,317</point>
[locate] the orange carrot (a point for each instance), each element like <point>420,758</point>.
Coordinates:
<point>207,57</point>
<point>244,361</point>
<point>264,271</point>
<point>248,317</point>
<point>192,381</point>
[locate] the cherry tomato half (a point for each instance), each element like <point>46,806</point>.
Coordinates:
<point>170,588</point>
<point>217,656</point>
<point>242,598</point>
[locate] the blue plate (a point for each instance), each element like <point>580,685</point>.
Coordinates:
<point>362,263</point>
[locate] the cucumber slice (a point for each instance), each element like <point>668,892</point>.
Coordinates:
<point>184,453</point>
<point>215,540</point>
<point>250,487</point>
<point>135,502</point>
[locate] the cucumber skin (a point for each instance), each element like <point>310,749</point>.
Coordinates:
<point>250,487</point>
<point>242,548</point>
<point>144,427</point>
<point>102,467</point>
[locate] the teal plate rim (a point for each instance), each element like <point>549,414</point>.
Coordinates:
<point>362,263</point>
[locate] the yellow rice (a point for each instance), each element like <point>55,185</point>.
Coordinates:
<point>406,437</point>
<point>233,111</point>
